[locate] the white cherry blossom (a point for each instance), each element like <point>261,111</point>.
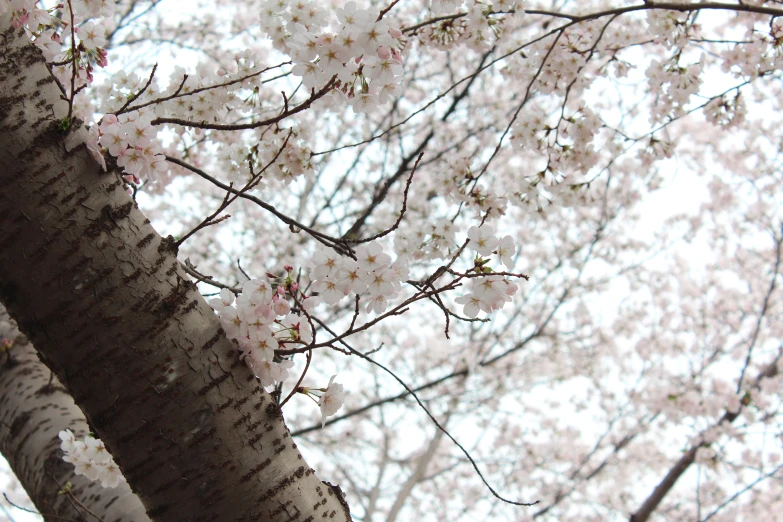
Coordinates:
<point>331,400</point>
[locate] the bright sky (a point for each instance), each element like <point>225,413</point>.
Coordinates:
<point>10,487</point>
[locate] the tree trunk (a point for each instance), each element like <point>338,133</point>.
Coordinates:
<point>110,310</point>
<point>34,408</point>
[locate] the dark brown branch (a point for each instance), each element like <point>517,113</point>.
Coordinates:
<point>210,87</point>
<point>319,236</point>
<point>355,229</point>
<point>386,10</point>
<point>255,178</point>
<point>396,224</point>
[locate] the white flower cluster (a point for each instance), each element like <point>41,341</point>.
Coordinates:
<point>260,322</point>
<point>363,53</point>
<point>131,139</point>
<point>726,111</point>
<point>115,91</point>
<point>26,12</point>
<point>426,240</point>
<point>490,292</point>
<point>293,162</point>
<point>457,182</point>
<point>671,28</point>
<point>487,294</point>
<point>284,167</point>
<point>479,29</point>
<point>17,6</point>
<point>674,85</point>
<point>65,38</point>
<point>90,458</point>
<point>561,155</point>
<point>336,276</point>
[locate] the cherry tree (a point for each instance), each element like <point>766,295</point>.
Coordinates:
<point>404,241</point>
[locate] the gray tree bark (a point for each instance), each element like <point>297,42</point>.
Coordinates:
<point>34,408</point>
<point>110,310</point>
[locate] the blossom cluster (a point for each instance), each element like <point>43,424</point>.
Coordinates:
<point>53,28</point>
<point>489,292</point>
<point>115,91</point>
<point>425,240</point>
<point>200,95</point>
<point>260,322</point>
<point>567,150</point>
<point>285,159</point>
<point>292,162</point>
<point>479,29</point>
<point>131,139</point>
<point>90,458</point>
<point>336,276</point>
<point>458,182</point>
<point>363,53</point>
<point>671,28</point>
<point>726,111</point>
<point>675,84</point>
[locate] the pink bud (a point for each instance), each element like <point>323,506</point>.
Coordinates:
<point>221,72</point>
<point>288,268</point>
<point>102,60</point>
<point>23,20</point>
<point>384,53</point>
<point>294,287</point>
<point>395,33</point>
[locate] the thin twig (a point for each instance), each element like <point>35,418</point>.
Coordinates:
<point>301,378</point>
<point>27,510</point>
<point>70,496</point>
<point>432,418</point>
<point>252,125</point>
<point>386,10</point>
<point>327,240</point>
<point>402,211</point>
<point>134,97</point>
<point>74,54</point>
